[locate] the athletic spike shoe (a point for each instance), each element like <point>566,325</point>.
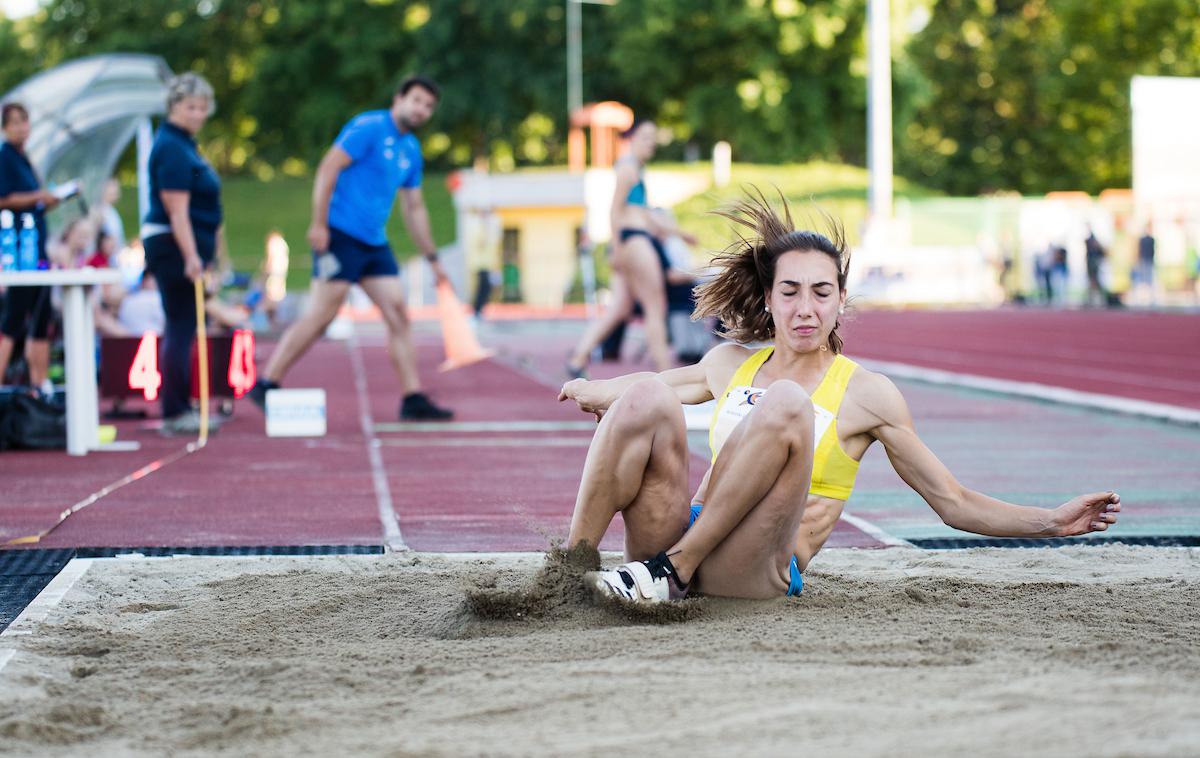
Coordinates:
<point>418,407</point>
<point>652,581</point>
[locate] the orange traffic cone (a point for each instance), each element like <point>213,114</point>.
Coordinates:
<point>462,349</point>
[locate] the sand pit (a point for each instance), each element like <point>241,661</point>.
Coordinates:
<point>1072,651</point>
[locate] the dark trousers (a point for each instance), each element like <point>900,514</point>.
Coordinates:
<point>179,304</point>
<point>27,311</point>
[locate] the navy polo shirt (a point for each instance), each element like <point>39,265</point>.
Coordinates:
<point>176,164</point>
<point>17,175</point>
<point>384,159</point>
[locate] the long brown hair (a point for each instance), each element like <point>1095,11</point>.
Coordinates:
<point>747,266</point>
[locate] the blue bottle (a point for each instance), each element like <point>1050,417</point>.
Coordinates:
<point>8,241</point>
<point>27,253</point>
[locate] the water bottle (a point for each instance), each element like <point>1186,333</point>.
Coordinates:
<point>8,242</point>
<point>28,244</point>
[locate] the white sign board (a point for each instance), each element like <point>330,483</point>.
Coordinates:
<point>1166,150</point>
<point>296,413</point>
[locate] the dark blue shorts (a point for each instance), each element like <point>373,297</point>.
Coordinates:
<point>350,259</point>
<point>795,587</point>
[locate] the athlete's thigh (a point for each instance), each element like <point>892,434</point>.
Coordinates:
<point>761,545</point>
<point>658,515</point>
<point>621,299</point>
<point>384,291</point>
<point>643,274</point>
<point>327,295</point>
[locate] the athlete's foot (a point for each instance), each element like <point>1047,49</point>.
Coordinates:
<point>187,423</point>
<point>258,393</point>
<point>576,372</point>
<point>652,581</point>
<point>418,407</point>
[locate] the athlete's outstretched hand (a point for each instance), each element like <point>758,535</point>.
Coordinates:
<point>1087,513</point>
<point>588,402</point>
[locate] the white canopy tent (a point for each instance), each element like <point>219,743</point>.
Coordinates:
<point>83,114</point>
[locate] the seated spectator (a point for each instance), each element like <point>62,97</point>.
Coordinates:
<point>141,311</point>
<point>106,216</point>
<point>106,304</point>
<point>104,256</point>
<point>73,245</point>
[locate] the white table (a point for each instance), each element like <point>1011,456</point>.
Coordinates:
<point>79,335</point>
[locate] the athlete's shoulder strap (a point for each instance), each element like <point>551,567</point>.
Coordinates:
<point>832,389</point>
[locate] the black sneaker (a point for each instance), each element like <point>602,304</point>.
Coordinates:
<point>418,407</point>
<point>258,393</point>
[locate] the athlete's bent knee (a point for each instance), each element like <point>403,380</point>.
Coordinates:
<point>645,403</point>
<point>786,406</point>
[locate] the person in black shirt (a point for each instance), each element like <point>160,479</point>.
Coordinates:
<point>1143,274</point>
<point>1095,260</point>
<point>27,309</point>
<point>180,236</point>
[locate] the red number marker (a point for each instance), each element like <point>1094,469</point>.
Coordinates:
<point>241,362</point>
<point>143,374</point>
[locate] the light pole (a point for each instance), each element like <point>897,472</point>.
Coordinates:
<point>879,111</point>
<point>575,52</point>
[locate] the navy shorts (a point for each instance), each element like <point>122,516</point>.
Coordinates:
<point>795,586</point>
<point>350,259</point>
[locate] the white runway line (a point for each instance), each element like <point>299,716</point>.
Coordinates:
<point>874,531</point>
<point>37,610</point>
<point>383,494</point>
<point>583,442</point>
<point>485,426</point>
<point>1127,406</point>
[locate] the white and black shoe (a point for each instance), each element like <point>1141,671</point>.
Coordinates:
<point>652,581</point>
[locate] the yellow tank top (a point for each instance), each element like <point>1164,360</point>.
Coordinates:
<point>833,470</point>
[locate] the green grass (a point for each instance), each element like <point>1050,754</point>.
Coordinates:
<point>253,208</point>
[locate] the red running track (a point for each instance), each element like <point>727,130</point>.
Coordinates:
<point>451,490</point>
<point>1143,355</point>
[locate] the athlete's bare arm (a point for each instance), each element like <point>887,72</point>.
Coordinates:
<point>959,506</point>
<point>335,161</point>
<point>692,384</point>
<point>416,220</point>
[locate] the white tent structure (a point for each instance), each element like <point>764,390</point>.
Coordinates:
<point>83,114</point>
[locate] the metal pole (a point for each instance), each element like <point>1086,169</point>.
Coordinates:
<point>574,56</point>
<point>145,141</point>
<point>879,109</point>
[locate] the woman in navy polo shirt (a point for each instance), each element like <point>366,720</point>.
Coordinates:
<point>180,237</point>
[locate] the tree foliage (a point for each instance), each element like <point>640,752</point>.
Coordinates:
<point>1030,95</point>
<point>1033,95</point>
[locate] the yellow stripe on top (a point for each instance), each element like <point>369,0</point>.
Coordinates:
<point>834,471</point>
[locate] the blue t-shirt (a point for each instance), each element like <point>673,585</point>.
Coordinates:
<point>176,164</point>
<point>17,175</point>
<point>384,160</point>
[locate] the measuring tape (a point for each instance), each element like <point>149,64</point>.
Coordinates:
<point>150,468</point>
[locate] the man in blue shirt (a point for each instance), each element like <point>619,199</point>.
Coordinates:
<point>375,156</point>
